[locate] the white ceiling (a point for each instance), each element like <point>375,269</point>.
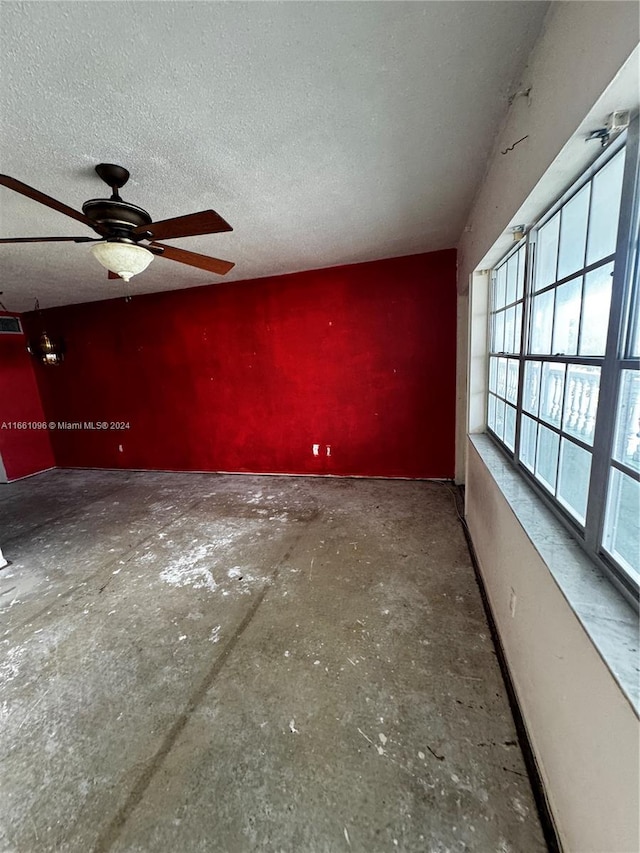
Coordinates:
<point>326,133</point>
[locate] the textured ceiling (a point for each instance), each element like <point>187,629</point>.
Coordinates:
<point>325,133</point>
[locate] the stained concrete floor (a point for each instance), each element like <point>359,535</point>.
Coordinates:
<point>236,663</point>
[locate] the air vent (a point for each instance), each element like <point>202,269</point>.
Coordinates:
<point>10,326</point>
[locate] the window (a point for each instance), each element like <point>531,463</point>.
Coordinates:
<point>564,378</point>
<point>10,326</point>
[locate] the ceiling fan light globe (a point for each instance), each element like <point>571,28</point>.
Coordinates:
<point>123,259</point>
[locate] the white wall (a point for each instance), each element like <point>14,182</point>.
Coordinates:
<point>583,730</point>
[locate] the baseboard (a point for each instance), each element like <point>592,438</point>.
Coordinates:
<point>256,474</point>
<point>26,476</point>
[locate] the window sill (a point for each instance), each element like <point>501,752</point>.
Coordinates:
<point>608,619</point>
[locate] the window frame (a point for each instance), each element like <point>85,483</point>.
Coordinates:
<point>625,299</point>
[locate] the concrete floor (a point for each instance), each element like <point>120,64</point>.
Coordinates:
<point>195,662</point>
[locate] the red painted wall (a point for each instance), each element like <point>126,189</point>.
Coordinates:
<point>248,376</point>
<point>23,451</point>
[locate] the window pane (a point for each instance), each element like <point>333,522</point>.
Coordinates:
<point>546,253</point>
<point>551,391</point>
<point>520,278</point>
<point>528,435</point>
<point>518,328</point>
<point>635,323</point>
<point>595,310</point>
<point>567,318</point>
<point>491,412</point>
<point>513,371</point>
<point>510,427</point>
<point>573,233</point>
<point>573,478</point>
<point>542,323</point>
<point>502,377</point>
<point>509,327</point>
<point>500,290</point>
<point>512,278</point>
<point>499,427</point>
<point>498,332</point>
<point>635,338</point>
<point>621,527</point>
<point>581,401</point>
<point>605,209</point>
<point>627,442</point>
<point>493,373</point>
<point>531,395</point>
<point>547,457</point>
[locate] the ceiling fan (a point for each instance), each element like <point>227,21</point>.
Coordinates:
<point>123,227</point>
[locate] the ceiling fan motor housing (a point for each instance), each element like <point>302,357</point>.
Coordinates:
<point>116,218</point>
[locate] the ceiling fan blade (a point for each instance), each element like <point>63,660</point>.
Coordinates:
<point>50,240</point>
<point>205,222</point>
<point>193,259</point>
<point>36,195</point>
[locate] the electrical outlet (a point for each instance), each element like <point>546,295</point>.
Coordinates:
<point>512,603</point>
